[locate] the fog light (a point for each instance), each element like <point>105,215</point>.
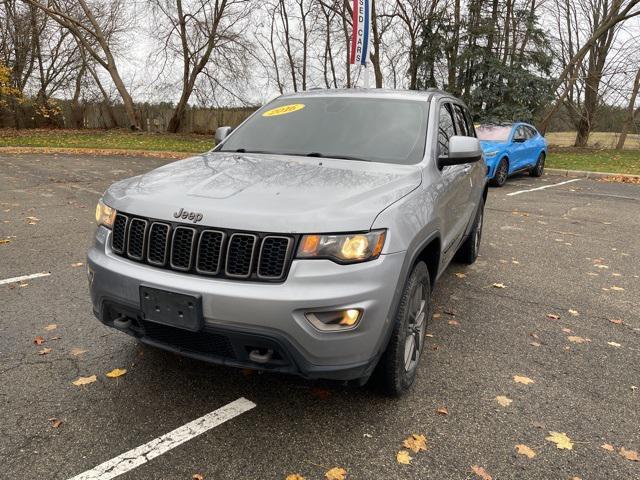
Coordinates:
<point>334,321</point>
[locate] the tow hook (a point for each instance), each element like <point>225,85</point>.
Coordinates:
<point>122,323</point>
<point>259,357</point>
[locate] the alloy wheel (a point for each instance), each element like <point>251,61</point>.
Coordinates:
<point>414,341</point>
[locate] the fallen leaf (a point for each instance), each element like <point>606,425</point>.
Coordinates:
<point>532,334</point>
<point>453,322</point>
<point>460,275</point>
<point>403,457</point>
<point>294,476</point>
<point>336,473</point>
<point>197,476</point>
<point>535,344</point>
<point>51,326</point>
<point>504,401</point>
<point>79,264</point>
<point>553,316</point>
<point>629,454</point>
<point>614,344</point>
<point>561,440</point>
<point>44,351</point>
<point>4,241</point>
<point>55,338</point>
<point>39,340</point>
<point>22,285</point>
<point>436,315</point>
<point>481,472</point>
<point>607,447</point>
<point>430,335</point>
<point>84,380</point>
<point>601,266</point>
<point>567,330</point>
<point>55,422</point>
<point>499,285</point>
<point>526,451</point>
<point>443,411</point>
<point>523,380</point>
<point>616,321</point>
<point>77,351</point>
<point>617,289</point>
<point>573,312</point>
<point>415,443</point>
<point>575,339</point>
<point>116,372</point>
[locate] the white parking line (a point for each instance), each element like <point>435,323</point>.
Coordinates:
<point>542,188</point>
<point>156,447</point>
<point>24,277</point>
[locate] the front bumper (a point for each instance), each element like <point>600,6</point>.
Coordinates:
<point>241,315</point>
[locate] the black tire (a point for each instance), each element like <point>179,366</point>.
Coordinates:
<point>398,366</point>
<point>538,168</point>
<point>468,251</point>
<point>502,173</point>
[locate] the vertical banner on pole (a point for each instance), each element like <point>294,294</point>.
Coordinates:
<point>361,34</point>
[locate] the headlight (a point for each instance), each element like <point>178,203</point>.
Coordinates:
<point>344,248</point>
<point>105,215</point>
<point>491,154</point>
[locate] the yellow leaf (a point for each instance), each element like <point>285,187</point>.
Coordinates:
<point>523,380</point>
<point>573,312</point>
<point>561,440</point>
<point>197,476</point>
<point>294,476</point>
<point>116,372</point>
<point>84,380</point>
<point>51,326</point>
<point>77,351</point>
<point>44,351</point>
<point>577,339</point>
<point>460,275</point>
<point>79,264</point>
<point>499,285</point>
<point>443,411</point>
<point>553,316</point>
<point>481,472</point>
<point>526,451</point>
<point>403,457</point>
<point>504,401</point>
<point>614,344</point>
<point>415,443</point>
<point>607,447</point>
<point>629,454</point>
<point>336,473</point>
<point>617,289</point>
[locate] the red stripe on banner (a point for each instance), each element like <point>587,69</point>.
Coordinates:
<point>354,35</point>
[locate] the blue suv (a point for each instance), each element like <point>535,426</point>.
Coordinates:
<point>512,148</point>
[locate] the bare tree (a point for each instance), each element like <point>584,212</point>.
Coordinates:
<point>631,113</point>
<point>98,27</point>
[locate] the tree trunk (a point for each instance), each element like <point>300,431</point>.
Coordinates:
<point>631,113</point>
<point>77,113</point>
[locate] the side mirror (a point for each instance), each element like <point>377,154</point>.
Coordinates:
<point>222,133</point>
<point>519,140</point>
<point>461,150</point>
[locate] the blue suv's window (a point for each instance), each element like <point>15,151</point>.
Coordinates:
<point>384,130</point>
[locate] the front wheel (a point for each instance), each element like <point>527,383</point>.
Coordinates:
<point>538,169</point>
<point>468,251</point>
<point>398,366</point>
<point>502,172</point>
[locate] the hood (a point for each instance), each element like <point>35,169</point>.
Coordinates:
<point>269,193</point>
<point>488,145</point>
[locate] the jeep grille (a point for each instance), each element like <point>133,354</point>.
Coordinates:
<point>202,250</point>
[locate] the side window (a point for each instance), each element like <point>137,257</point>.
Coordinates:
<point>446,130</point>
<point>532,132</point>
<point>461,123</point>
<point>470,127</point>
<point>520,134</point>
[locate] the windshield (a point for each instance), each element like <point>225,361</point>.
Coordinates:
<point>368,129</point>
<point>493,133</point>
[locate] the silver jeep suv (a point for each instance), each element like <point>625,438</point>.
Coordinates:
<point>308,241</point>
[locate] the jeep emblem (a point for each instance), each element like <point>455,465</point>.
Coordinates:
<point>193,216</point>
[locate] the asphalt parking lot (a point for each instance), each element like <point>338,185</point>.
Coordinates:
<point>566,318</point>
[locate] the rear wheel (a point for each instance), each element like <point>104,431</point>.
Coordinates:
<point>502,172</point>
<point>468,251</point>
<point>398,366</point>
<point>538,169</point>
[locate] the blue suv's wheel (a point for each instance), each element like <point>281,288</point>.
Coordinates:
<point>399,364</point>
<point>538,168</point>
<point>502,173</point>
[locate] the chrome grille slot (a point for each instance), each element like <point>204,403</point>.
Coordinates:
<point>274,253</point>
<point>182,248</point>
<point>136,237</point>
<point>240,255</point>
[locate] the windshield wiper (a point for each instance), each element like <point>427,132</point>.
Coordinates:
<point>342,157</point>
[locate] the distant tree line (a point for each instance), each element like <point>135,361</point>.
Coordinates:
<point>535,60</point>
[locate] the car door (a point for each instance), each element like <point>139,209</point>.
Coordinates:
<point>533,146</point>
<point>518,149</point>
<point>454,178</point>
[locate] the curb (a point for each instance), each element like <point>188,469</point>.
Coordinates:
<point>585,174</point>
<point>97,152</point>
